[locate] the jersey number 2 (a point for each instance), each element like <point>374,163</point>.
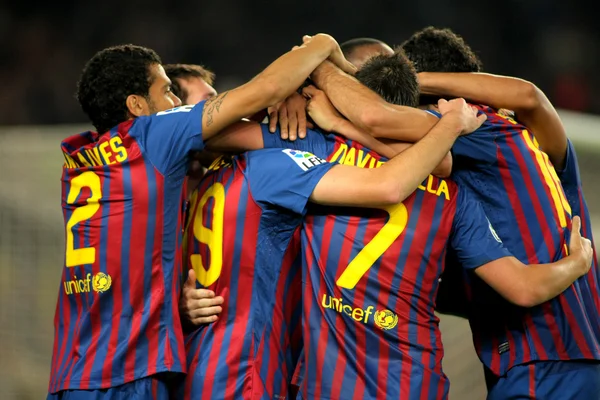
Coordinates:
<point>382,241</point>
<point>213,238</point>
<point>83,255</point>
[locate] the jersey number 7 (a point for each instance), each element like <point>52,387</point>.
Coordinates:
<point>382,241</point>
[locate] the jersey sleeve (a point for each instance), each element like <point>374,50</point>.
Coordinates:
<point>473,239</point>
<point>168,136</point>
<point>314,142</point>
<point>474,147</point>
<point>284,177</point>
<point>569,176</point>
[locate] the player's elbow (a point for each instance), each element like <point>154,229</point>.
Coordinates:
<point>529,96</point>
<point>444,169</point>
<point>524,298</point>
<point>390,191</point>
<point>370,119</point>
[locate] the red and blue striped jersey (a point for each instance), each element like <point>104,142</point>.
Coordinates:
<point>370,279</point>
<point>243,243</point>
<point>571,183</point>
<point>116,317</point>
<point>523,197</point>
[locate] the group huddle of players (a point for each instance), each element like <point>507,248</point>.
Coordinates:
<point>307,258</point>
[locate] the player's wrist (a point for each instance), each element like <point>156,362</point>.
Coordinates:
<point>322,72</point>
<point>453,123</point>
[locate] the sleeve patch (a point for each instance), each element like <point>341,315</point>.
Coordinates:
<point>304,159</point>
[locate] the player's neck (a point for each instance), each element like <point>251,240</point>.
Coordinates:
<point>432,107</point>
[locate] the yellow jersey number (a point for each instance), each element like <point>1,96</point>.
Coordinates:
<point>213,238</point>
<point>84,255</point>
<point>364,260</point>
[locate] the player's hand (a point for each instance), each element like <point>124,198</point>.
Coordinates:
<point>198,306</point>
<point>465,114</point>
<point>291,116</point>
<point>580,246</point>
<point>336,56</point>
<point>320,109</point>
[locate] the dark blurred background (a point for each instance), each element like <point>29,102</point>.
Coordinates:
<point>44,45</point>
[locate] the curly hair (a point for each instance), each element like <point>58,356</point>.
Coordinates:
<point>109,77</point>
<point>186,71</point>
<point>440,50</point>
<point>393,77</point>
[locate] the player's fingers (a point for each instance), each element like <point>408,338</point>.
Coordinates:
<point>283,122</point>
<point>205,312</point>
<point>481,118</point>
<point>293,125</point>
<point>302,124</point>
<point>204,320</point>
<point>306,38</point>
<point>199,294</point>
<point>191,279</point>
<point>273,116</point>
<point>576,226</point>
<point>309,91</point>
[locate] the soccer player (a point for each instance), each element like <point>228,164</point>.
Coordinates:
<point>117,326</point>
<point>518,187</point>
<point>360,50</point>
<point>337,350</point>
<point>191,83</point>
<point>245,214</point>
<point>534,109</point>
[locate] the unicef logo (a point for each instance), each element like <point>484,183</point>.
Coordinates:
<point>385,319</point>
<point>101,282</point>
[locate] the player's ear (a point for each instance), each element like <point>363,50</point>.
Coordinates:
<point>136,105</point>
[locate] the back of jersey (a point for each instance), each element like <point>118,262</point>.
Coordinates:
<point>523,197</point>
<point>243,242</point>
<point>370,281</point>
<point>116,317</point>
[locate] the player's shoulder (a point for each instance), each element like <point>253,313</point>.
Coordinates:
<point>282,158</point>
<point>498,118</point>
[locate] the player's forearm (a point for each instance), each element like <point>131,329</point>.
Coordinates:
<point>350,131</point>
<point>407,170</point>
<point>494,90</point>
<point>531,105</point>
<point>367,110</point>
<point>443,169</point>
<point>546,281</point>
<point>288,72</point>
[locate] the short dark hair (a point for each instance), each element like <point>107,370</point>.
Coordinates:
<point>109,77</point>
<point>349,46</point>
<point>440,50</point>
<point>186,71</point>
<point>393,77</point>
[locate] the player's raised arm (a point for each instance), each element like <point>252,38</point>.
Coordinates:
<point>272,85</point>
<point>367,110</point>
<point>530,104</point>
<point>533,284</point>
<point>398,178</point>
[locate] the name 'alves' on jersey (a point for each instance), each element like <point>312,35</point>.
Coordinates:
<point>371,278</point>
<point>116,317</point>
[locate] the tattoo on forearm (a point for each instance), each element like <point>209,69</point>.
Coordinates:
<point>212,104</point>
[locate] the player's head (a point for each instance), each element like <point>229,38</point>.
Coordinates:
<point>123,82</point>
<point>191,83</point>
<point>440,50</point>
<point>359,50</point>
<point>393,77</point>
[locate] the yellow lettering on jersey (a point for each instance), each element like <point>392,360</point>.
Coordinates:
<point>358,314</point>
<point>116,144</point>
<point>350,158</point>
<point>70,163</point>
<point>362,159</point>
<point>106,154</point>
<point>219,163</point>
<point>82,160</point>
<point>94,155</point>
<point>443,189</point>
<point>340,154</point>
